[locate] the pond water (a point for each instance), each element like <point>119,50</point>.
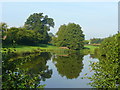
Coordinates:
<point>66,79</point>
<point>53,71</point>
<point>50,70</point>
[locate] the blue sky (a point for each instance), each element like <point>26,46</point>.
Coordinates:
<point>97,19</point>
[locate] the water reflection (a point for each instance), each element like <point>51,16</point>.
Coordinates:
<point>25,72</point>
<point>69,65</point>
<point>29,71</point>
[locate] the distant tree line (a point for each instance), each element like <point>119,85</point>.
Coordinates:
<point>96,40</point>
<point>86,41</point>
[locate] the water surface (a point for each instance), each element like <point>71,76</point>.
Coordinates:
<point>64,79</point>
<point>51,70</point>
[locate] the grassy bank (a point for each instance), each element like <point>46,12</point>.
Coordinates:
<point>91,48</point>
<point>20,49</point>
<point>32,49</point>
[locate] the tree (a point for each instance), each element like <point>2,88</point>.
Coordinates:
<point>70,36</point>
<point>3,26</point>
<point>11,36</point>
<point>22,36</point>
<point>96,40</point>
<point>27,37</point>
<point>51,34</point>
<point>40,24</point>
<point>86,41</point>
<point>3,30</point>
<point>107,70</point>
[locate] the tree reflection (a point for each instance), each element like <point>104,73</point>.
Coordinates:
<point>25,72</point>
<point>69,66</point>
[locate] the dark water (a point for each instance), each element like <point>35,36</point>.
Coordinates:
<point>56,71</point>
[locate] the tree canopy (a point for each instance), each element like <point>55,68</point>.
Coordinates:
<point>35,31</point>
<point>70,36</point>
<point>40,24</point>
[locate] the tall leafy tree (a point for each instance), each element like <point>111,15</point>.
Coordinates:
<point>40,24</point>
<point>70,36</point>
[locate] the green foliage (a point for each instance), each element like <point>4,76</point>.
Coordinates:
<point>20,36</point>
<point>3,26</point>
<point>110,47</point>
<point>23,37</point>
<point>3,29</point>
<point>35,31</point>
<point>107,70</point>
<point>11,36</point>
<point>70,36</point>
<point>40,24</point>
<point>91,48</point>
<point>51,34</point>
<point>69,65</point>
<point>86,41</point>
<point>54,41</point>
<point>96,40</point>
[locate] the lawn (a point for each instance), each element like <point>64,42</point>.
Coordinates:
<point>44,48</point>
<point>91,48</point>
<point>39,48</point>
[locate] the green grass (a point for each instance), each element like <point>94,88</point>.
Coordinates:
<point>39,48</point>
<point>46,48</point>
<point>91,48</point>
<point>21,48</point>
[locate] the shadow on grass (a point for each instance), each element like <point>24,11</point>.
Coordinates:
<point>43,45</point>
<point>20,46</point>
<point>86,48</point>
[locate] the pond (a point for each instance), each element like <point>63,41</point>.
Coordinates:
<point>68,71</point>
<point>49,70</point>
